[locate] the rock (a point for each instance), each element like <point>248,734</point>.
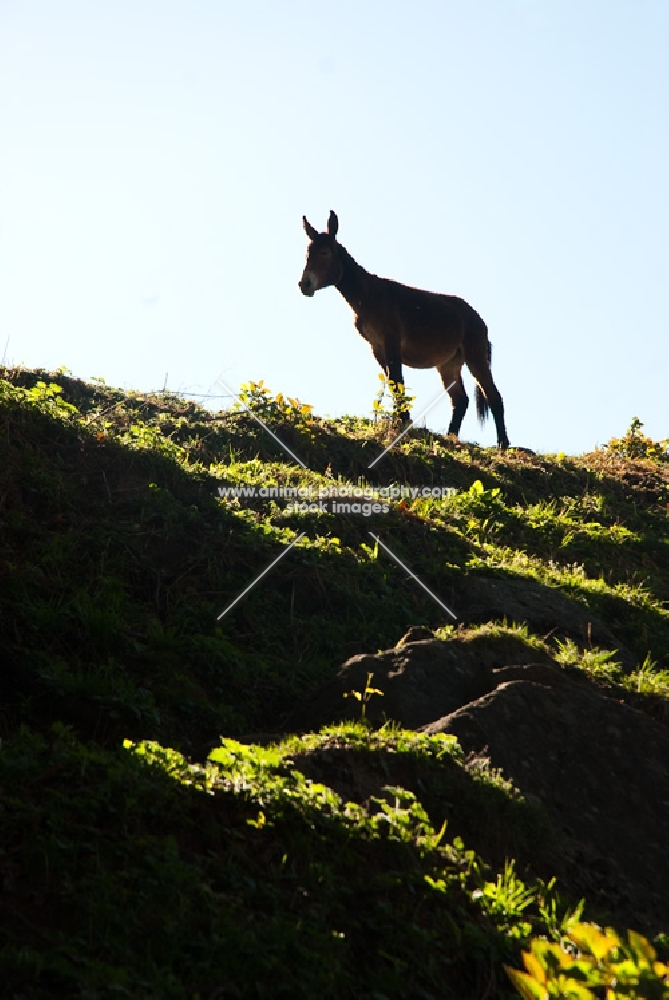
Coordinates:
<point>414,633</point>
<point>546,611</point>
<point>599,767</point>
<point>421,681</point>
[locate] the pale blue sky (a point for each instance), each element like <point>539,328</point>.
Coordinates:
<point>156,159</point>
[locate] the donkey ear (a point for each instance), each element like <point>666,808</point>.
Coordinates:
<point>309,229</point>
<point>333,225</point>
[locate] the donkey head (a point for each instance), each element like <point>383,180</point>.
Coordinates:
<point>324,266</point>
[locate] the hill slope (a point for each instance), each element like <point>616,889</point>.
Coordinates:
<point>119,554</point>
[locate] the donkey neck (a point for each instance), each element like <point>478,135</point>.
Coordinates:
<point>355,282</point>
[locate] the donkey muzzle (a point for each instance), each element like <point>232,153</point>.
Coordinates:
<point>307,285</point>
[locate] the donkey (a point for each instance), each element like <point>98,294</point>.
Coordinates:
<point>408,326</point>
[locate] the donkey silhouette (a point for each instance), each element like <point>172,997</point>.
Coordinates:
<point>408,326</point>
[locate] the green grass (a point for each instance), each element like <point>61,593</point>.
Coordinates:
<point>138,871</point>
<point>132,873</point>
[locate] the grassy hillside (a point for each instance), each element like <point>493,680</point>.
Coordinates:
<point>137,870</point>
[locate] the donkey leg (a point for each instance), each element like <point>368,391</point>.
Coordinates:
<point>478,362</point>
<point>452,379</point>
<point>388,353</point>
<point>393,372</point>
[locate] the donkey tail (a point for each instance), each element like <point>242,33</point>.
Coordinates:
<point>482,408</point>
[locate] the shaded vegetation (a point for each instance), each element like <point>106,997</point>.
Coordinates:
<point>132,871</point>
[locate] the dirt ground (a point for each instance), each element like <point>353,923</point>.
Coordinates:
<point>597,767</point>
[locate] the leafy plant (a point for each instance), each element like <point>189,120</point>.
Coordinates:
<point>257,397</point>
<point>590,963</point>
<point>506,899</point>
<point>364,696</point>
<point>391,399</point>
<point>46,398</point>
<point>635,444</point>
<point>598,662</point>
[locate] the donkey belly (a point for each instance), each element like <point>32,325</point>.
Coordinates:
<point>424,341</point>
<point>428,349</point>
<point>432,329</point>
